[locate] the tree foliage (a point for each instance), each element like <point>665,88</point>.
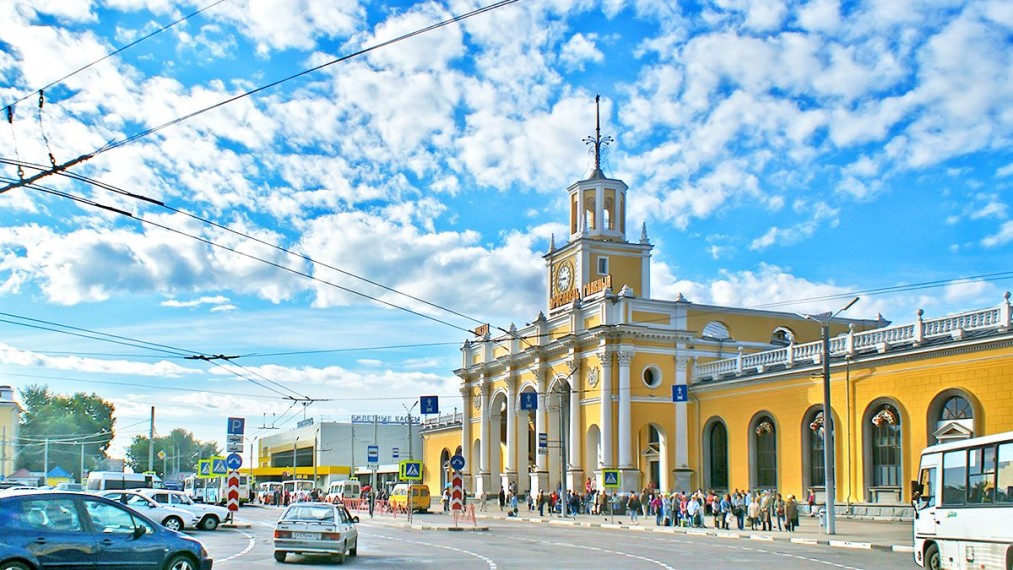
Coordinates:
<point>69,424</point>
<point>180,447</point>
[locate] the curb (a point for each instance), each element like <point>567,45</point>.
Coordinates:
<point>857,545</point>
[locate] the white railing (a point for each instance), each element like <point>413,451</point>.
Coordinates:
<point>443,420</point>
<point>882,340</point>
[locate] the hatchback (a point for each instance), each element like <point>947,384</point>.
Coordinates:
<point>316,528</point>
<point>44,529</point>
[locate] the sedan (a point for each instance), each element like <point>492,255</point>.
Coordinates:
<point>316,528</point>
<point>50,529</point>
<point>170,517</point>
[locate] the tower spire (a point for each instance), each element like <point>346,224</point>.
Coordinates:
<point>597,140</point>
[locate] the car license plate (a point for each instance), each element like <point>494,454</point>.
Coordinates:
<point>305,535</point>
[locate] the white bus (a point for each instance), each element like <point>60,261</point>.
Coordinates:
<point>215,490</point>
<point>963,502</point>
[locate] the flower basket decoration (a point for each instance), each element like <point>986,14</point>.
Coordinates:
<point>817,423</point>
<point>764,427</point>
<point>884,416</point>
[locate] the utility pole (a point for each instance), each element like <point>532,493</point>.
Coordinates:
<point>409,410</point>
<point>81,474</point>
<point>45,467</point>
<point>3,453</point>
<point>151,441</point>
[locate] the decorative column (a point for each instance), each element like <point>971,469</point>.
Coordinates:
<point>540,475</point>
<point>625,442</point>
<point>509,474</point>
<point>607,459</point>
<point>466,416</point>
<point>683,474</point>
<point>573,443</point>
<point>483,445</point>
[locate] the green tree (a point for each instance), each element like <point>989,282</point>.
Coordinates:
<point>180,447</point>
<point>66,429</point>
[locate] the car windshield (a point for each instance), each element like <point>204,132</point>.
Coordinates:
<point>184,499</point>
<point>309,513</point>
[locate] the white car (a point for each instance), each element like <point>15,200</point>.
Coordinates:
<point>210,515</point>
<point>171,518</point>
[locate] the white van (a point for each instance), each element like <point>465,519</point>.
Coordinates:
<point>338,491</point>
<point>118,481</point>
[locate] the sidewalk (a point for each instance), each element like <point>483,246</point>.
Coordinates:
<point>851,533</point>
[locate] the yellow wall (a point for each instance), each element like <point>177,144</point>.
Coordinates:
<point>9,418</point>
<point>433,445</point>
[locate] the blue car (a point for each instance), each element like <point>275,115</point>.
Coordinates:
<point>40,530</point>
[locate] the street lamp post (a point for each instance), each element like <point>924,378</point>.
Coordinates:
<point>409,410</point>
<point>828,420</point>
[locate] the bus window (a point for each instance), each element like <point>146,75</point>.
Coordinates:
<point>981,475</point>
<point>1004,472</point>
<point>928,482</point>
<point>954,477</point>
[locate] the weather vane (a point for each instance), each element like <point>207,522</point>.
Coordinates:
<point>598,140</point>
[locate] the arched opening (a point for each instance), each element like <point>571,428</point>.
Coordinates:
<point>715,446</point>
<point>589,221</point>
<point>497,439</point>
<point>883,450</point>
<point>558,420</point>
<point>476,454</point>
<point>653,453</point>
<point>445,471</point>
<point>813,444</point>
<point>951,417</point>
<point>592,450</point>
<point>763,451</point>
<point>526,449</point>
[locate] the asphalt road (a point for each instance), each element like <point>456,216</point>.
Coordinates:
<point>387,543</point>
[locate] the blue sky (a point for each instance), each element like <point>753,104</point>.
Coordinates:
<point>782,154</point>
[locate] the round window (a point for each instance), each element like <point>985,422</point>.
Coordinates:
<point>652,376</point>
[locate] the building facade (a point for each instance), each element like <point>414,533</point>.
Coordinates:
<point>605,365</point>
<point>10,419</point>
<point>333,451</point>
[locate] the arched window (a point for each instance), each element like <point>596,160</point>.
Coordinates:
<point>886,447</point>
<point>817,465</point>
<point>717,440</point>
<point>956,408</point>
<point>765,450</point>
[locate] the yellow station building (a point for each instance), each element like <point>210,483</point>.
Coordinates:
<point>604,361</point>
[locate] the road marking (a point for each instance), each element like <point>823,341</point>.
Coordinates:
<point>249,547</point>
<point>492,565</point>
<point>607,551</point>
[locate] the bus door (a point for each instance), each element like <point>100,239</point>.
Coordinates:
<point>926,501</point>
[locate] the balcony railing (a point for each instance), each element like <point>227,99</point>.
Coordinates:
<point>881,340</point>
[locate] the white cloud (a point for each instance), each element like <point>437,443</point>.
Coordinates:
<point>1001,237</point>
<point>579,50</point>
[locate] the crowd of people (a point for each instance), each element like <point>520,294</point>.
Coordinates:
<point>763,510</point>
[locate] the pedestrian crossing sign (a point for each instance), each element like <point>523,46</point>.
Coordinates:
<point>411,470</point>
<point>218,466</point>
<point>611,478</point>
<point>204,469</point>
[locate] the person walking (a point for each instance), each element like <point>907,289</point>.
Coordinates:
<point>791,513</point>
<point>541,502</point>
<point>502,498</point>
<point>779,512</point>
<point>811,501</point>
<point>633,507</point>
<point>754,513</point>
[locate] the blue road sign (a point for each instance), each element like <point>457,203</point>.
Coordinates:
<point>237,426</point>
<point>529,401</point>
<point>543,440</point>
<point>680,393</point>
<point>430,404</point>
<point>373,454</point>
<point>393,452</point>
<point>234,461</point>
<point>411,470</point>
<point>218,466</point>
<point>457,462</point>
<point>611,477</point>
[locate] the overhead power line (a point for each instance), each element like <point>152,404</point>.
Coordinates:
<point>111,54</point>
<point>121,142</point>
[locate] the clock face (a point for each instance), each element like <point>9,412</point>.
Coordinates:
<point>564,277</point>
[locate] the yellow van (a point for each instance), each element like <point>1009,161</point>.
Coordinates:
<point>399,497</point>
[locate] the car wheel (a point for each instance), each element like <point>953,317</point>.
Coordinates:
<point>209,523</point>
<point>173,523</point>
<point>354,551</point>
<point>180,562</point>
<point>932,557</point>
<point>279,556</point>
<point>14,565</point>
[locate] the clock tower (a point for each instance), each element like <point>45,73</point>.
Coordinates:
<point>597,256</point>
